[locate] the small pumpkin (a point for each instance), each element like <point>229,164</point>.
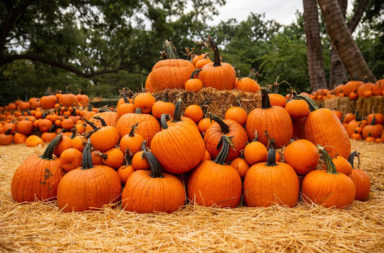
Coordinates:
<point>131,141</point>
<point>70,159</point>
<point>360,179</point>
<point>302,155</point>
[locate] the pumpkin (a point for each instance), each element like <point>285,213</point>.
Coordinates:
<point>126,170</point>
<point>110,119</point>
<point>241,165</point>
<point>373,129</point>
<point>302,155</point>
<point>160,107</point>
<point>78,142</point>
<point>131,141</point>
<point>237,114</point>
<point>342,165</point>
<point>144,101</point>
<point>277,100</point>
<point>360,179</point>
<point>321,127</point>
<point>327,187</point>
<point>105,137</point>
<point>356,136</point>
<point>170,73</point>
<point>219,75</point>
<point>297,108</point>
<point>113,158</point>
<point>33,141</point>
<point>65,143</point>
<point>194,112</point>
<point>213,183</point>
<point>37,178</point>
<point>152,191</point>
<point>138,160</point>
<point>365,90</point>
<point>147,125</point>
<point>48,102</point>
<point>67,124</point>
<point>255,152</point>
<point>204,124</point>
<point>273,119</point>
<point>25,127</point>
<point>247,84</point>
<point>70,159</point>
<point>227,127</point>
<point>88,187</point>
<point>178,147</point>
<point>19,138</point>
<point>273,183</point>
<point>194,84</point>
<point>67,100</point>
<point>379,118</point>
<point>351,86</point>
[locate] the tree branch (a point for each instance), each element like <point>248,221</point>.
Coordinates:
<point>61,65</point>
<point>357,15</point>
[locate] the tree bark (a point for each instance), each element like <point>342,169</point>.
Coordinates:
<point>343,42</point>
<point>337,72</point>
<point>314,49</point>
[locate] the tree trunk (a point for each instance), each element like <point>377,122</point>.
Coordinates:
<point>343,42</point>
<point>314,49</point>
<point>337,72</point>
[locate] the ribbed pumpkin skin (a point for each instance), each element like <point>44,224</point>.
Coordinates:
<point>147,127</point>
<point>328,190</point>
<point>219,77</point>
<point>324,128</point>
<point>362,184</point>
<point>144,194</point>
<point>179,148</point>
<point>36,179</point>
<point>213,134</point>
<point>271,185</point>
<point>109,117</point>
<point>213,184</point>
<point>275,120</point>
<point>81,190</point>
<point>169,74</point>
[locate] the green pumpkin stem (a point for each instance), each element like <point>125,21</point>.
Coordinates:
<point>133,129</point>
<point>144,146</point>
<point>256,137</point>
<point>351,158</point>
<point>331,168</point>
<point>265,103</point>
<point>73,133</point>
<point>103,123</point>
<point>163,120</point>
<point>224,143</point>
<point>224,127</point>
<point>138,111</point>
<point>177,113</point>
<point>195,73</point>
<point>87,162</point>
<point>312,105</point>
<point>51,147</point>
<point>217,61</point>
<point>128,157</point>
<point>271,158</point>
<point>154,164</point>
<point>170,50</point>
<point>94,127</point>
<point>373,120</point>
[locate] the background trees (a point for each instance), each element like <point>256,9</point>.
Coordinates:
<point>100,46</point>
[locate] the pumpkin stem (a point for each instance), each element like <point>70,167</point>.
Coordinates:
<point>271,141</point>
<point>373,120</point>
<point>312,105</point>
<point>103,123</point>
<point>91,124</point>
<point>256,137</point>
<point>87,162</point>
<point>104,109</point>
<point>271,159</point>
<point>138,111</point>
<point>128,157</point>
<point>327,159</point>
<point>133,129</point>
<point>224,127</point>
<point>170,50</point>
<point>351,158</point>
<point>73,133</point>
<point>195,73</point>
<point>154,164</point>
<point>124,96</point>
<point>177,113</point>
<point>144,146</point>
<point>51,146</point>
<point>8,132</point>
<point>265,103</point>
<point>217,61</point>
<point>222,156</point>
<point>163,120</point>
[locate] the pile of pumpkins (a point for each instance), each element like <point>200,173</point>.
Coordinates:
<point>351,90</point>
<point>154,158</point>
<point>370,129</point>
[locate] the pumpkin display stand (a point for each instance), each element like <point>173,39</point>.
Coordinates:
<point>215,101</point>
<point>42,227</point>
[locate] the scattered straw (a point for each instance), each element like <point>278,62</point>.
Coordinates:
<point>217,101</point>
<point>42,227</point>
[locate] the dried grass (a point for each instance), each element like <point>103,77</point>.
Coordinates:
<point>217,101</point>
<point>42,227</point>
<point>365,106</point>
<point>343,104</point>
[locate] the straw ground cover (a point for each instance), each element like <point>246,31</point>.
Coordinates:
<point>42,227</point>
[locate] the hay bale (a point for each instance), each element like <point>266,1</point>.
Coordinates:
<point>365,106</point>
<point>215,101</point>
<point>343,104</point>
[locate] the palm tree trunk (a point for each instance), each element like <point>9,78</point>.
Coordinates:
<point>314,49</point>
<point>343,42</point>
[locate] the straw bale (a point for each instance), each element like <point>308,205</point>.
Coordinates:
<point>365,106</point>
<point>42,227</point>
<point>216,101</point>
<point>343,104</point>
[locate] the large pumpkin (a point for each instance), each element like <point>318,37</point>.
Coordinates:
<point>322,127</point>
<point>178,147</point>
<point>152,191</point>
<point>272,119</point>
<point>219,75</point>
<point>87,187</point>
<point>37,178</point>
